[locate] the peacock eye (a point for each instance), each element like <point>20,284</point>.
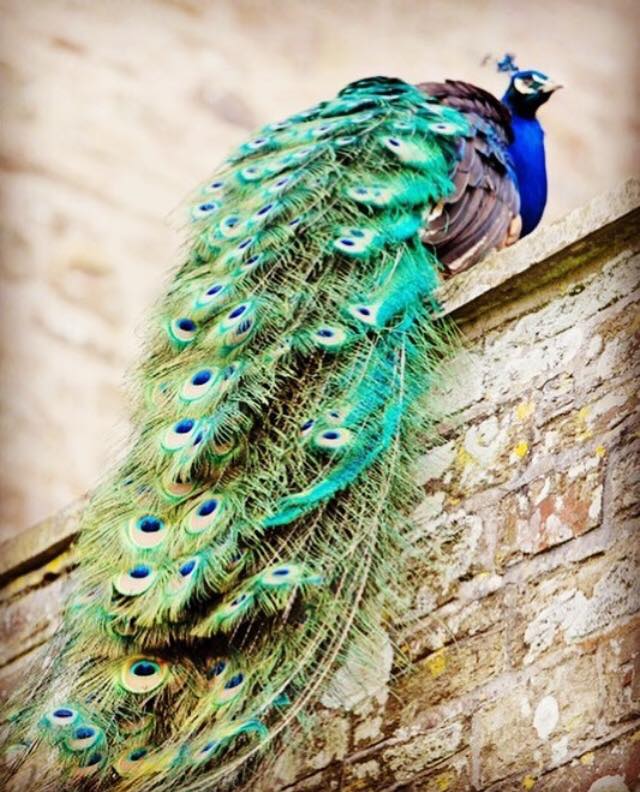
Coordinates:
<point>143,669</point>
<point>234,681</point>
<point>187,568</point>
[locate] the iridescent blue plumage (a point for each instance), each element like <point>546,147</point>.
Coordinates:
<point>527,91</point>
<point>527,154</point>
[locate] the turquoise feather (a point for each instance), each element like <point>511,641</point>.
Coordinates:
<point>258,516</point>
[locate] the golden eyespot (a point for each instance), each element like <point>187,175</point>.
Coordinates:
<point>140,674</point>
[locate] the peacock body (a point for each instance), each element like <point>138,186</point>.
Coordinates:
<point>255,532</point>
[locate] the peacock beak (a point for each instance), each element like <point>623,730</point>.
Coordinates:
<point>550,86</point>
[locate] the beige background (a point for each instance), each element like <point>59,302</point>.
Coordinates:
<point>112,111</point>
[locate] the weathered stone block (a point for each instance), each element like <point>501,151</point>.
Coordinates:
<point>619,660</point>
<point>455,670</point>
<point>552,509</point>
<point>456,620</point>
<point>613,768</point>
<point>405,760</point>
<point>566,605</point>
<point>553,712</point>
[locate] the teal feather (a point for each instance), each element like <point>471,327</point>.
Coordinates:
<point>259,513</point>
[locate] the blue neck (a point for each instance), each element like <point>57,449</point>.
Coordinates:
<point>527,154</point>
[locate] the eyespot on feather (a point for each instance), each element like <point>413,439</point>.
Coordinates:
<point>283,575</point>
<point>183,576</point>
<point>222,734</point>
<point>333,439</point>
<point>141,674</point>
<point>235,327</point>
<point>310,112</point>
<point>129,763</point>
<point>176,491</point>
<point>179,434</point>
<point>367,314</point>
<point>204,514</point>
<point>403,126</point>
<point>62,717</point>
<point>146,532</point>
<point>214,295</point>
<point>135,581</point>
<point>230,375</point>
<point>225,681</point>
<point>231,689</point>
<point>278,126</point>
<point>245,245</point>
<point>287,576</point>
<point>182,331</point>
<point>153,761</point>
<point>280,184</point>
<point>83,737</point>
<point>345,140</point>
<point>93,763</point>
<point>157,393</point>
<point>204,209</point>
<point>230,227</point>
<point>213,187</point>
<point>416,155</point>
<point>336,415</point>
<point>250,173</point>
<point>248,265</point>
<point>330,337</point>
<point>304,153</point>
<point>259,143</point>
<point>295,222</point>
<point>446,128</point>
<point>324,129</point>
<point>199,384</point>
<point>229,611</point>
<point>355,241</point>
<point>216,670</point>
<point>205,751</point>
<point>376,195</point>
<point>262,214</point>
<point>307,427</point>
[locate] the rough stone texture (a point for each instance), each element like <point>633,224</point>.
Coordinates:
<point>114,110</point>
<point>525,626</point>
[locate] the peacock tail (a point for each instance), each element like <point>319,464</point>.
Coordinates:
<point>254,533</point>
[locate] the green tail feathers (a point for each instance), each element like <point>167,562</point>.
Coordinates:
<point>256,527</point>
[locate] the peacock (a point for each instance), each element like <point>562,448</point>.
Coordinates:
<point>255,532</point>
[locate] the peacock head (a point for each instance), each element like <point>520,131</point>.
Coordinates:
<point>528,88</point>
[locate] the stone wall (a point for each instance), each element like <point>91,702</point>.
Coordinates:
<point>113,110</point>
<point>525,627</point>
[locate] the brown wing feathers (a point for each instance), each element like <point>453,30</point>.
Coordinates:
<point>483,212</point>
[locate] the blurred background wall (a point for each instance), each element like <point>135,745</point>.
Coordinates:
<point>113,110</point>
